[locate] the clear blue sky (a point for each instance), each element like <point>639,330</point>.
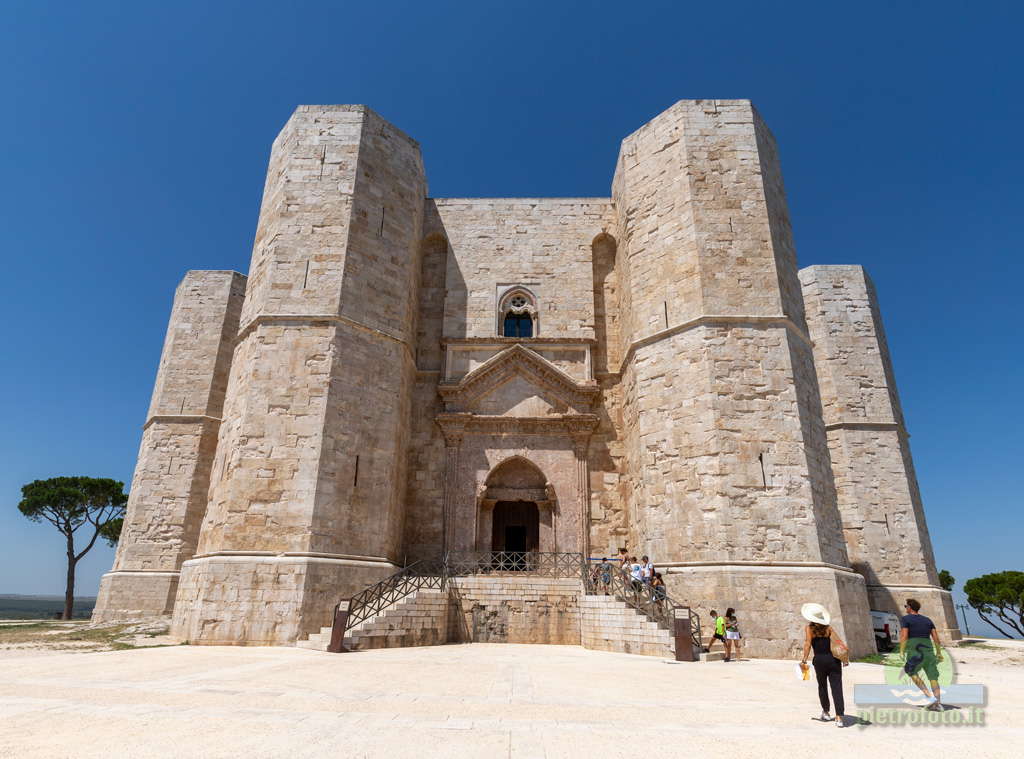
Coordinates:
<point>135,138</point>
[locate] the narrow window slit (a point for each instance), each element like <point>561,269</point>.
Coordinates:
<point>380,232</point>
<point>664,304</point>
<point>355,475</point>
<point>305,279</point>
<point>764,480</point>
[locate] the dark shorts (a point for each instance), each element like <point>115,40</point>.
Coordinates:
<point>718,636</point>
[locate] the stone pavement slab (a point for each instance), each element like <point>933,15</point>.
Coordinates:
<point>477,700</point>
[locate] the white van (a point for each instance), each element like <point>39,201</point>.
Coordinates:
<point>887,630</point>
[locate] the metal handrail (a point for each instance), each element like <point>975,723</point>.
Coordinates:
<point>437,573</point>
<point>555,565</point>
<point>428,573</point>
<point>653,602</point>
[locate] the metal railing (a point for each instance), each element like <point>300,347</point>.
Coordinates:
<point>436,574</point>
<point>555,565</point>
<point>429,573</point>
<point>651,601</point>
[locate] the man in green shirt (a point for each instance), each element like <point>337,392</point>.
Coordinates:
<point>719,631</point>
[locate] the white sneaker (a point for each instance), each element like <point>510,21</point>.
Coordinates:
<point>840,722</point>
<point>825,717</point>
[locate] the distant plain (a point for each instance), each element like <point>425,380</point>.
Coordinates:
<point>13,606</point>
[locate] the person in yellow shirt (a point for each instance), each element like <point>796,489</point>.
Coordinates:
<point>719,631</point>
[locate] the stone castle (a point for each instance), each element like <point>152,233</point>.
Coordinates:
<point>401,375</point>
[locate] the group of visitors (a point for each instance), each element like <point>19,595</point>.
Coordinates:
<point>830,652</point>
<point>727,630</point>
<point>639,574</point>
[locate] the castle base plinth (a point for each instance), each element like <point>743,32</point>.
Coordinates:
<point>767,599</point>
<point>936,604</point>
<point>265,600</point>
<point>135,594</point>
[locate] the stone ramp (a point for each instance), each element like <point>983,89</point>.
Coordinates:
<point>507,608</point>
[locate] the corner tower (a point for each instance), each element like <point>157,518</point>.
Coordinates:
<point>880,503</point>
<point>731,486</point>
<point>306,495</point>
<point>167,499</point>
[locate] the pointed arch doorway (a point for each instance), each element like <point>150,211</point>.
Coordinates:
<point>516,509</point>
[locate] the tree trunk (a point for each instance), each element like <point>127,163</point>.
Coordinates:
<point>69,590</point>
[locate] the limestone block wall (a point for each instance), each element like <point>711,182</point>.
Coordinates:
<point>883,517</point>
<point>768,598</point>
<point>543,243</point>
<point>510,609</point>
<point>318,409</point>
<point>168,491</point>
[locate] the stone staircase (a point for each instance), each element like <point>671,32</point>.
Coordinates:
<point>420,619</point>
<point>512,608</point>
<point>607,624</point>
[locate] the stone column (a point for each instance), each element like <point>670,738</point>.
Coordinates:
<point>168,492</point>
<point>580,434</point>
<point>453,430</point>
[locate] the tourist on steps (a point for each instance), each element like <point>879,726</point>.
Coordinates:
<point>605,573</point>
<point>719,630</point>
<point>647,569</point>
<point>820,637</point>
<point>658,587</point>
<point>636,574</point>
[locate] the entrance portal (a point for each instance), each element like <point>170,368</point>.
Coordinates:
<point>515,526</point>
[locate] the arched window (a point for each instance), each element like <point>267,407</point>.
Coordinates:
<point>518,314</point>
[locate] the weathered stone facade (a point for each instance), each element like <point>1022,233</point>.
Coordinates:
<point>403,375</point>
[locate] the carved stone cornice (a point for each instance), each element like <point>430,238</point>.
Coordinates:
<point>580,429</point>
<point>483,424</point>
<point>517,359</point>
<point>514,494</point>
<point>453,427</point>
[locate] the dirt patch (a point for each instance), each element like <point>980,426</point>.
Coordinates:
<point>43,635</point>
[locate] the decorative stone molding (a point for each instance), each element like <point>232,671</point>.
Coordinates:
<point>522,425</point>
<point>518,360</point>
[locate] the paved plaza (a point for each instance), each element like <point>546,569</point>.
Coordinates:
<point>476,700</point>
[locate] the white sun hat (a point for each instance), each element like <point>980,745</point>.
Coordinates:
<point>815,613</point>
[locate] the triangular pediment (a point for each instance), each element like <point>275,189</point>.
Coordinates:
<point>518,382</point>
